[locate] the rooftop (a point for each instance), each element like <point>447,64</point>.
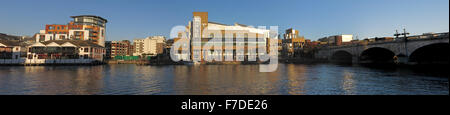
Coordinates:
<point>9,43</point>
<point>218,23</point>
<point>90,16</point>
<point>74,42</point>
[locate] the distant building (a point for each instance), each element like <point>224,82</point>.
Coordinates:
<point>384,39</point>
<point>181,55</point>
<point>118,48</point>
<point>291,34</point>
<point>84,27</point>
<point>280,45</point>
<point>108,50</point>
<point>337,40</point>
<point>10,50</point>
<point>292,42</point>
<point>151,46</point>
<point>169,43</point>
<point>64,52</point>
<point>130,49</point>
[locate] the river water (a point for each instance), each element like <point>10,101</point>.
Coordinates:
<point>289,79</point>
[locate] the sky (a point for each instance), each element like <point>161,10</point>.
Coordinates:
<point>131,19</point>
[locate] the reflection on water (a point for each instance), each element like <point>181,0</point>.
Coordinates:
<point>289,79</point>
<point>348,83</point>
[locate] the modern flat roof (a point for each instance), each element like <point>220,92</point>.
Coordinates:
<point>90,16</point>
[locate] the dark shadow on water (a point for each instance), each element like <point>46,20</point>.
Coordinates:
<point>434,70</point>
<point>344,64</point>
<point>439,70</point>
<point>382,66</point>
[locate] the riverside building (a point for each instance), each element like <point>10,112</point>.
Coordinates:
<point>150,46</point>
<point>292,42</point>
<point>84,27</point>
<point>238,41</point>
<point>118,48</point>
<point>65,52</point>
<point>10,52</point>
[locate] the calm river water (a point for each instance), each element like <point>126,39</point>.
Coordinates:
<point>289,79</point>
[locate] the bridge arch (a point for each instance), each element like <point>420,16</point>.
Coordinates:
<point>414,45</point>
<point>342,57</point>
<point>377,55</point>
<point>436,53</point>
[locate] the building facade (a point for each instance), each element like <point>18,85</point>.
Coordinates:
<point>64,52</point>
<point>119,48</point>
<point>150,46</point>
<point>237,41</point>
<point>337,40</point>
<point>84,27</point>
<point>291,34</point>
<point>108,50</point>
<point>10,50</point>
<point>292,42</point>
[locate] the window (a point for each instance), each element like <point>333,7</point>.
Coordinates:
<point>51,27</point>
<point>86,49</point>
<point>86,56</point>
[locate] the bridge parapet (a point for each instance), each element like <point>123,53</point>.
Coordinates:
<point>399,47</point>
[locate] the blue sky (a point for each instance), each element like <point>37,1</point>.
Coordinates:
<point>130,19</point>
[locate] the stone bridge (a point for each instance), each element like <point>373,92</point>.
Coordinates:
<point>432,50</point>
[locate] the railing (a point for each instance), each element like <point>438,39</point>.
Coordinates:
<point>11,61</point>
<point>418,38</point>
<point>45,61</point>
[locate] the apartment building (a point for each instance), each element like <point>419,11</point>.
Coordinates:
<point>149,46</point>
<point>118,48</point>
<point>84,27</point>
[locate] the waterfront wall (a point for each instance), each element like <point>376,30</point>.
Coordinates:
<point>11,61</point>
<point>47,61</point>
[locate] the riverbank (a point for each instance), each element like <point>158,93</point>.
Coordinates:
<point>301,61</point>
<point>141,62</point>
<point>54,64</point>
